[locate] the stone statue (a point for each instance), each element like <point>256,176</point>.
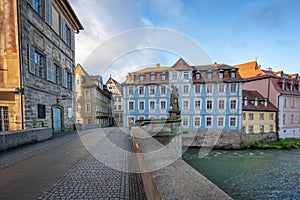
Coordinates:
<point>174,97</point>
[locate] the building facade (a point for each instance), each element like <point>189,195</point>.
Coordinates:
<point>117,95</point>
<point>37,64</point>
<point>259,114</point>
<point>210,96</point>
<point>283,90</point>
<point>93,100</point>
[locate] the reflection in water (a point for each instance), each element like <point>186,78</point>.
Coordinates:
<point>251,174</point>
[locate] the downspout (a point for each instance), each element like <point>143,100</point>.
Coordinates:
<point>21,91</point>
<point>269,88</point>
<point>277,118</point>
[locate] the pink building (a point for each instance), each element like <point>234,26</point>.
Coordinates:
<point>283,90</point>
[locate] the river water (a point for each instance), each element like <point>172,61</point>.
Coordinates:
<point>251,174</point>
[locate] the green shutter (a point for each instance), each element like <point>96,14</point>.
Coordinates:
<point>50,70</point>
<point>62,28</point>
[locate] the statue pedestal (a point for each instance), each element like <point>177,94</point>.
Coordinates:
<point>174,114</point>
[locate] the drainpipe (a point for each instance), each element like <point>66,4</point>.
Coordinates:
<point>21,92</point>
<point>277,118</point>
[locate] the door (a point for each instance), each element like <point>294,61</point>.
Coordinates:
<point>56,119</point>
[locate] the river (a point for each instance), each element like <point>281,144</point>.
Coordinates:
<point>251,174</point>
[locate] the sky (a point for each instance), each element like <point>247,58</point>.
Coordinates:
<point>228,31</point>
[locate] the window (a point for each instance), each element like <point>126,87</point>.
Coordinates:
<point>221,88</point>
<point>88,107</point>
<point>37,6</point>
<point>198,76</point>
<point>209,75</point>
<point>141,105</point>
<point>261,116</point>
<point>39,63</point>
<point>271,116</point>
<point>198,89</point>
<point>120,107</point>
<point>220,121</point>
<point>261,129</point>
<point>185,104</point>
<point>57,75</point>
<point>271,128</point>
<point>250,129</point>
<point>162,105</point>
<point>292,87</point>
<point>197,121</point>
<point>292,119</point>
<point>232,74</point>
<point>152,105</point>
<point>232,88</point>
<point>152,90</point>
<point>283,86</point>
<point>4,120</point>
<point>186,75</point>
<point>208,122</point>
<point>141,90</point>
<point>67,79</point>
<point>285,103</point>
<point>174,75</point>
<point>232,121</point>
<point>130,90</point>
<point>294,103</point>
<point>55,20</point>
<point>250,116</point>
<point>243,129</point>
<point>185,89</point>
<point>87,94</point>
<point>130,106</point>
<point>141,118</point>
<point>152,77</point>
<point>244,116</point>
<point>163,77</point>
<point>68,35</point>
<point>209,89</point>
<point>209,104</point>
<point>233,104</point>
<point>41,111</point>
<point>185,121</point>
<point>89,121</point>
<point>221,104</point>
<point>284,118</point>
<point>78,81</point>
<point>141,78</point>
<point>197,105</point>
<point>221,74</point>
<point>162,89</point>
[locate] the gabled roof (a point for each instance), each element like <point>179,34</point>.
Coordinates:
<point>80,70</point>
<point>116,83</point>
<point>157,68</point>
<point>181,65</point>
<point>250,69</point>
<point>251,96</point>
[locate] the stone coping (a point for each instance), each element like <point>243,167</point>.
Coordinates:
<point>178,180</point>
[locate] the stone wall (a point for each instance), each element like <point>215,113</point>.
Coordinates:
<point>216,139</point>
<point>249,139</point>
<point>177,180</point>
<point>13,139</point>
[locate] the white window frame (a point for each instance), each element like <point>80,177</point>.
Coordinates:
<point>197,120</point>
<point>208,87</point>
<point>200,106</point>
<point>130,89</point>
<point>235,118</point>
<point>139,105</point>
<point>160,103</point>
<point>183,104</point>
<point>195,88</point>
<point>151,101</point>
<point>185,118</point>
<point>223,121</point>
<point>165,88</point>
<point>132,105</point>
<point>152,88</point>
<point>212,121</point>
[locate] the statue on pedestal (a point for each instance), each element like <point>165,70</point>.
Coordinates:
<point>174,111</point>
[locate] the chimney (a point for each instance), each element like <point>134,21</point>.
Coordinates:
<point>256,102</point>
<point>266,102</point>
<point>269,69</point>
<point>157,65</point>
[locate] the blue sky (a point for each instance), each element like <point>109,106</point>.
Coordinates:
<point>230,31</point>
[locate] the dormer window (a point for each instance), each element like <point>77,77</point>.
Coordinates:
<point>221,74</point>
<point>197,76</point>
<point>163,77</point>
<point>131,77</point>
<point>152,77</point>
<point>209,75</point>
<point>292,87</point>
<point>141,78</point>
<point>283,86</point>
<point>232,74</point>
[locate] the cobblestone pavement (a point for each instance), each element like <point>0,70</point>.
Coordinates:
<point>91,179</point>
<point>10,157</point>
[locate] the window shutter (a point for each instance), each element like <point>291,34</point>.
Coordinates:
<point>63,77</point>
<point>62,28</point>
<point>50,70</point>
<point>31,63</point>
<point>72,40</point>
<point>73,82</point>
<point>48,12</point>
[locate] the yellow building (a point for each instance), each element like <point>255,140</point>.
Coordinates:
<point>259,114</point>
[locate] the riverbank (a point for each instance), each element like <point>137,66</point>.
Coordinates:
<point>287,143</point>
